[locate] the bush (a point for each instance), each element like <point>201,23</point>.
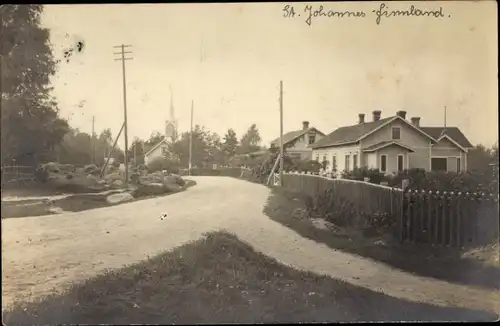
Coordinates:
<point>470,181</point>
<point>361,173</point>
<point>41,174</point>
<point>160,164</point>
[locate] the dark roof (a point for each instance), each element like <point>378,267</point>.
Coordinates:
<point>289,136</point>
<point>349,134</point>
<point>384,144</point>
<point>453,132</point>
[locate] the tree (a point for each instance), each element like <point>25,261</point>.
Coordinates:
<point>137,150</point>
<point>229,144</point>
<point>480,158</point>
<point>31,127</point>
<point>250,140</point>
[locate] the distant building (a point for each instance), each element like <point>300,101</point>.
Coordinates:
<point>297,142</point>
<point>162,148</point>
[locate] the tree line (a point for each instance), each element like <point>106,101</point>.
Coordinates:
<point>32,131</point>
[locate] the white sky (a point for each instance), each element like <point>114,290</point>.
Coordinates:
<point>331,70</point>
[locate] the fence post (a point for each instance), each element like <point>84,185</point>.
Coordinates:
<point>429,217</point>
<point>459,222</point>
<point>438,216</point>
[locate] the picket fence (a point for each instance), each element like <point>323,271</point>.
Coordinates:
<point>446,219</point>
<point>17,174</point>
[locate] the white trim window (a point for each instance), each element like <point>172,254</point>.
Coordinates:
<point>439,164</point>
<point>347,162</point>
<point>396,133</point>
<point>400,162</point>
<point>459,165</point>
<point>383,163</point>
<point>355,161</point>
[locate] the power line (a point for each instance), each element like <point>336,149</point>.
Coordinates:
<point>122,59</point>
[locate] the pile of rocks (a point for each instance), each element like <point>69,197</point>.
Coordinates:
<point>66,176</point>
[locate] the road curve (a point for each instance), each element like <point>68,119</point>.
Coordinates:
<point>44,254</point>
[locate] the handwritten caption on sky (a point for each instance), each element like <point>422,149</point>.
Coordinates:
<point>310,12</point>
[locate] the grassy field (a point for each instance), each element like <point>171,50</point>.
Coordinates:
<point>72,203</point>
<point>444,265</point>
<point>221,280</point>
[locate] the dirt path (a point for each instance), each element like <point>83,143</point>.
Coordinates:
<point>46,253</point>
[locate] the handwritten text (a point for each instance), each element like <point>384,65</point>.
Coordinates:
<point>310,13</point>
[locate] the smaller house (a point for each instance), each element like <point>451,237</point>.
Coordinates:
<point>296,143</point>
<point>393,144</point>
<point>162,148</point>
<point>158,150</point>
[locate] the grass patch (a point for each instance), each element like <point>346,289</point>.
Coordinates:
<point>72,203</point>
<point>424,261</point>
<point>221,280</point>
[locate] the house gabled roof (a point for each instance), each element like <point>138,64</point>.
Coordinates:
<point>349,134</point>
<point>384,144</point>
<point>156,146</point>
<point>453,132</point>
<point>353,134</point>
<point>292,135</point>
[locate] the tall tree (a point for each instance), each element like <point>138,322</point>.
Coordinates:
<point>137,150</point>
<point>230,143</point>
<point>250,140</point>
<point>31,127</point>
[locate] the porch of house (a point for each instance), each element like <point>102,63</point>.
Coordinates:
<point>388,157</point>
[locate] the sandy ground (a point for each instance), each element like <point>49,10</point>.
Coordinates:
<point>44,254</point>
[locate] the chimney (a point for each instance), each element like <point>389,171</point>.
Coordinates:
<point>416,121</point>
<point>361,118</point>
<point>401,114</point>
<point>376,115</point>
<point>305,125</point>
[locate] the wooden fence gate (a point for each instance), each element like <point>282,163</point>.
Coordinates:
<point>448,219</point>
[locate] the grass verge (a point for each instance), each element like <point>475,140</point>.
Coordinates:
<point>221,280</point>
<point>72,203</point>
<point>443,264</point>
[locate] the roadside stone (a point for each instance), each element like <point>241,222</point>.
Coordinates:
<point>118,183</point>
<point>119,198</point>
<point>299,213</point>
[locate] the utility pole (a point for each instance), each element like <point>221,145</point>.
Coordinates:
<point>92,142</point>
<point>281,133</point>
<point>122,59</point>
<point>191,139</point>
<point>135,154</point>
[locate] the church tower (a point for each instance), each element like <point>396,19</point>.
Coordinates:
<point>171,124</point>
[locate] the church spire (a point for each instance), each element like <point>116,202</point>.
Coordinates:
<point>172,114</point>
<point>171,124</point>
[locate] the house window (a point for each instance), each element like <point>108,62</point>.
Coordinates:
<point>459,165</point>
<point>383,163</point>
<point>317,157</point>
<point>347,165</point>
<point>396,133</point>
<point>312,139</point>
<point>355,161</point>
<point>334,162</point>
<point>400,163</point>
<point>295,156</point>
<point>439,164</point>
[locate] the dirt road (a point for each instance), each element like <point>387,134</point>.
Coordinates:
<point>46,253</point>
